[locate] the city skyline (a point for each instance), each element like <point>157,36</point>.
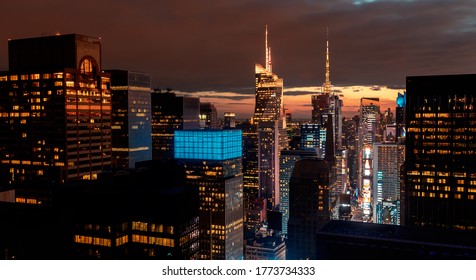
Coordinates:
<point>200,49</point>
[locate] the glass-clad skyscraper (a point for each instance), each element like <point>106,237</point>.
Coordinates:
<point>131,118</point>
<point>213,164</point>
<point>270,120</point>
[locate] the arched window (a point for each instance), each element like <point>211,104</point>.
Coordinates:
<point>88,68</point>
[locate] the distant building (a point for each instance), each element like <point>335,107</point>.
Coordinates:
<point>388,159</point>
<point>212,160</point>
<point>313,136</point>
<point>440,119</point>
<point>368,133</point>
<point>308,207</point>
<point>131,118</point>
<point>55,111</point>
<point>208,115</point>
<point>229,120</point>
<point>400,116</point>
<point>169,113</point>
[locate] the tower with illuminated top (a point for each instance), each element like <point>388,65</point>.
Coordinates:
<point>327,111</point>
<point>270,121</point>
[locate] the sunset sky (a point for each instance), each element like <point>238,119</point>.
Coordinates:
<point>208,48</point>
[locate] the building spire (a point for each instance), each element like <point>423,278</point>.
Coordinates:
<point>268,52</point>
<point>327,84</point>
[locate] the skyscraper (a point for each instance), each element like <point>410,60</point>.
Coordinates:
<point>208,115</point>
<point>212,161</point>
<point>327,112</point>
<point>387,162</point>
<point>131,118</point>
<point>229,120</point>
<point>368,133</point>
<point>169,113</point>
<point>313,136</point>
<point>55,107</point>
<point>308,207</point>
<point>270,120</point>
<point>440,168</point>
<point>287,162</point>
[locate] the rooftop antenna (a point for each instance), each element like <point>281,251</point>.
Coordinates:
<point>268,51</point>
<point>327,84</point>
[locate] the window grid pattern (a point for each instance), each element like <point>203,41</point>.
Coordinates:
<point>207,144</point>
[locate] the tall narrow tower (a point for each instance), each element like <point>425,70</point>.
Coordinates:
<point>269,118</point>
<point>327,111</point>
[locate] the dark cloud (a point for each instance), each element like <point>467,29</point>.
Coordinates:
<point>213,45</point>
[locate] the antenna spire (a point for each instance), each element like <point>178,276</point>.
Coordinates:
<point>268,52</point>
<point>327,84</point>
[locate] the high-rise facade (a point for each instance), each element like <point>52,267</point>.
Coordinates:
<point>55,106</point>
<point>313,136</point>
<point>287,162</point>
<point>208,115</point>
<point>368,133</point>
<point>387,162</point>
<point>169,113</point>
<point>229,120</point>
<point>327,112</point>
<point>270,120</point>
<point>131,118</point>
<point>212,161</point>
<point>440,189</point>
<point>308,207</point>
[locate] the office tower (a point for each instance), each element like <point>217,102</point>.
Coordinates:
<point>368,133</point>
<point>387,162</point>
<point>131,118</point>
<point>55,110</point>
<point>313,136</point>
<point>350,144</point>
<point>208,115</point>
<point>328,103</point>
<point>308,207</point>
<point>250,175</point>
<point>229,120</point>
<point>212,161</point>
<point>327,111</point>
<point>440,151</point>
<point>287,162</point>
<point>400,116</point>
<point>270,121</point>
<point>169,113</point>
